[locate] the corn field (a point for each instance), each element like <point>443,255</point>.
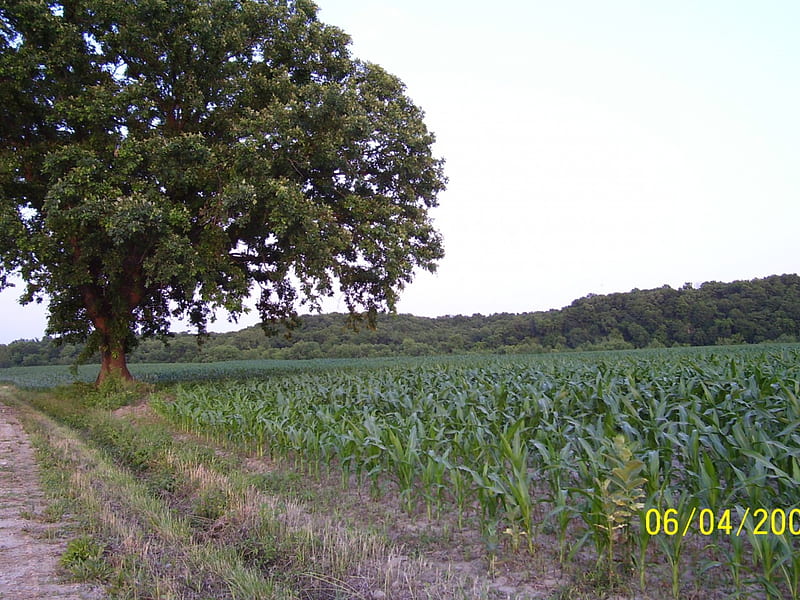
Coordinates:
<point>624,455</point>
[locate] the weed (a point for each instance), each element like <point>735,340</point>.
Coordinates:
<point>208,506</point>
<point>84,560</point>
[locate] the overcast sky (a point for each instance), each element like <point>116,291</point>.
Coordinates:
<point>591,147</point>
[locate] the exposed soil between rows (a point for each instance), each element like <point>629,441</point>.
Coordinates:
<point>29,547</point>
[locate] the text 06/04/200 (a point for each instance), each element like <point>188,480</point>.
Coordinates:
<point>706,521</point>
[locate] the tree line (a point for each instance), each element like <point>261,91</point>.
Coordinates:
<point>741,312</point>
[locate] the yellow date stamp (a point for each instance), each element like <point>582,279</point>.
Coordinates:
<point>705,521</point>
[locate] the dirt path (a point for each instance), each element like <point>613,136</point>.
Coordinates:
<point>28,551</point>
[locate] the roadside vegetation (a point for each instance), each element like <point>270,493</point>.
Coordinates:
<point>636,474</point>
<point>167,516</point>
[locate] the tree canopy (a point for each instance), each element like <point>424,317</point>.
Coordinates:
<point>163,158</point>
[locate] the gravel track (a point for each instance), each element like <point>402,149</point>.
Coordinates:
<point>29,547</point>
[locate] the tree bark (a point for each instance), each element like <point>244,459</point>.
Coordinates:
<point>113,362</point>
<point>113,365</point>
<point>113,348</point>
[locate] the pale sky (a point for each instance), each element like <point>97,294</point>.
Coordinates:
<point>591,147</point>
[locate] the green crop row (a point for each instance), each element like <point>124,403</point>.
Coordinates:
<point>596,438</point>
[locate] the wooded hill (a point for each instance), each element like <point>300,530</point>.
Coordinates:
<point>761,310</point>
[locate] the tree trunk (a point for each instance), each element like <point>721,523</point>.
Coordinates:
<point>111,327</point>
<point>113,366</point>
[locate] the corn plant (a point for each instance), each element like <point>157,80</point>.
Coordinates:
<point>516,480</point>
<point>402,455</point>
<point>433,481</point>
<point>733,557</point>
<point>790,564</point>
<point>671,543</point>
<point>614,500</point>
<point>767,555</point>
<point>490,492</point>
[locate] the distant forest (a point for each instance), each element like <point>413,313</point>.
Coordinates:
<point>742,312</point>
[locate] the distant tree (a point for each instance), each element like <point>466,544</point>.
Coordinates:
<point>163,159</point>
<point>305,350</point>
<point>222,352</point>
<point>6,359</point>
<point>637,335</point>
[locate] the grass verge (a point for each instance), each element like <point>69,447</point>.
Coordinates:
<point>169,517</point>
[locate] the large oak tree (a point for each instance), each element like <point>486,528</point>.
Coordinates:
<point>163,158</point>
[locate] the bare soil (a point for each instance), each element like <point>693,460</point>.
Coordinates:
<point>30,546</point>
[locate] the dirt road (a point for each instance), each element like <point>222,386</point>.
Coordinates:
<point>29,547</point>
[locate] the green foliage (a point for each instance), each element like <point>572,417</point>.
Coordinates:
<point>208,506</point>
<point>163,159</point>
<point>615,499</point>
<point>84,559</point>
